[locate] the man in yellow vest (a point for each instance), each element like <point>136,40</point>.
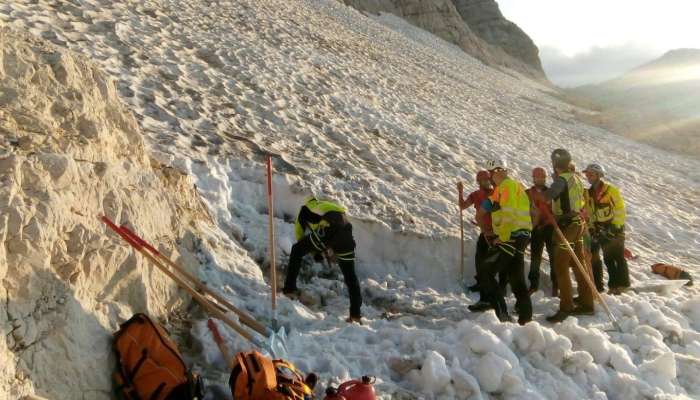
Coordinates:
<point>607,214</point>
<point>323,225</point>
<point>509,206</point>
<point>567,195</point>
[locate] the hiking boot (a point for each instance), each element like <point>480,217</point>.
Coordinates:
<point>354,320</point>
<point>505,318</point>
<point>583,311</point>
<point>474,288</point>
<point>623,289</point>
<point>293,294</point>
<point>614,291</point>
<point>523,321</point>
<point>480,306</point>
<point>558,317</point>
<point>532,291</point>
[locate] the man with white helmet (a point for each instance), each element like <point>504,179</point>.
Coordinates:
<point>509,207</point>
<point>607,214</point>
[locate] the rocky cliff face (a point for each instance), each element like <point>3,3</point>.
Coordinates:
<point>477,26</point>
<point>69,152</point>
<point>485,18</point>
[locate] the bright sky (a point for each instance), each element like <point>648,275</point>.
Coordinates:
<point>582,31</point>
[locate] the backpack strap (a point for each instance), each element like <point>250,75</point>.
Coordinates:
<point>139,364</point>
<point>155,394</point>
<point>245,369</point>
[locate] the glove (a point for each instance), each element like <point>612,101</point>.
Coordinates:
<point>318,257</point>
<point>491,240</point>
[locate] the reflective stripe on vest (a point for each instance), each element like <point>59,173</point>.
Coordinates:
<point>608,206</point>
<point>349,256</point>
<point>575,191</point>
<point>514,212</point>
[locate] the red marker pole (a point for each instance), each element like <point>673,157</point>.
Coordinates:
<point>273,269</point>
<point>461,237</point>
<point>220,342</point>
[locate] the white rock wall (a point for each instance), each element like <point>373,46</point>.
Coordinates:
<point>71,152</point>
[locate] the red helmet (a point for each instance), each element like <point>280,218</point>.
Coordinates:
<point>353,390</point>
<point>539,172</point>
<point>482,175</point>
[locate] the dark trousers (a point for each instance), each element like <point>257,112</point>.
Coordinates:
<point>597,265</point>
<point>508,258</point>
<point>615,261</point>
<point>482,253</point>
<point>343,245</point>
<point>541,238</point>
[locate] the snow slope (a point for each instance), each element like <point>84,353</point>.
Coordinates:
<point>385,118</point>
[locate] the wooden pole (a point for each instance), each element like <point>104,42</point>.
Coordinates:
<point>182,284</point>
<point>244,317</point>
<point>585,274</point>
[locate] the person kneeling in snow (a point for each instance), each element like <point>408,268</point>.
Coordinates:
<point>509,206</point>
<point>323,225</point>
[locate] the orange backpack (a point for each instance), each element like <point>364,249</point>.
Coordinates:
<point>671,272</point>
<point>149,365</point>
<point>256,377</point>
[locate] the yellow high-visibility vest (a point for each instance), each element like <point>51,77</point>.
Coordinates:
<point>319,207</point>
<point>608,207</point>
<point>514,212</point>
<point>577,200</point>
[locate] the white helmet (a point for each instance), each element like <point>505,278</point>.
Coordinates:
<point>496,163</point>
<point>597,168</point>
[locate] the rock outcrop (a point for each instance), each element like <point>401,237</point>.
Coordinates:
<point>485,19</point>
<point>477,26</point>
<point>69,152</point>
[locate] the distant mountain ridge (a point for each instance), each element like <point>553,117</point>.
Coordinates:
<point>658,102</point>
<point>477,26</point>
